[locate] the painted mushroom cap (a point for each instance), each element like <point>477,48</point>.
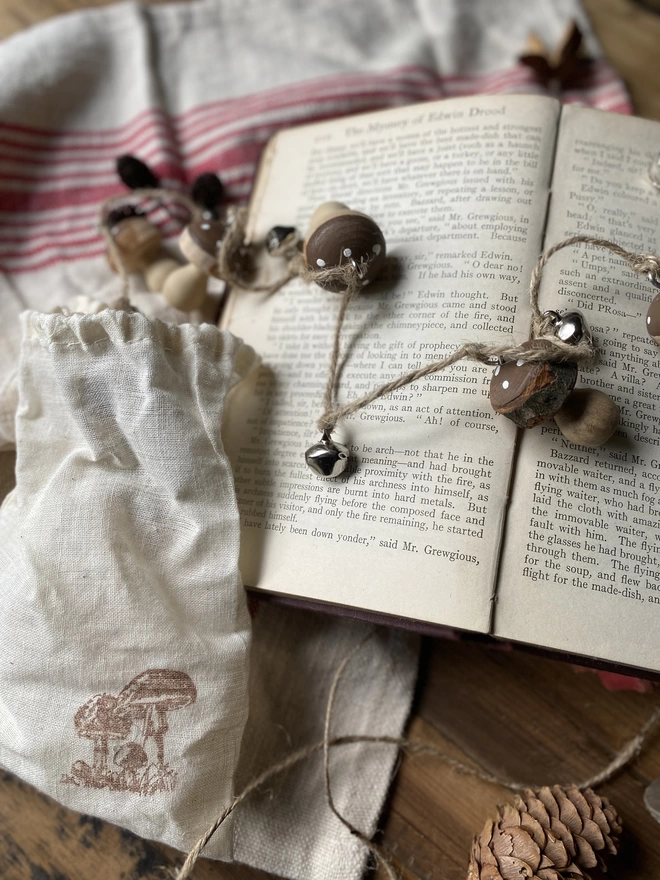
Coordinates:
<point>200,241</point>
<point>529,393</point>
<point>344,236</point>
<point>653,320</point>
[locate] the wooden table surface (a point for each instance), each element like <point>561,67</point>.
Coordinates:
<point>513,714</point>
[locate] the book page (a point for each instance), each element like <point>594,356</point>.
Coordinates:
<point>581,568</point>
<point>413,526</point>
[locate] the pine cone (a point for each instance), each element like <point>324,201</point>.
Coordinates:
<point>552,834</point>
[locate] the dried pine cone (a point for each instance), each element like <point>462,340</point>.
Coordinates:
<point>553,834</point>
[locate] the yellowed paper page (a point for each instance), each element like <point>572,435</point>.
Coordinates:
<point>413,528</point>
<point>581,568</point>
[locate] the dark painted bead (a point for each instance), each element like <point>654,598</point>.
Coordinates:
<point>207,234</point>
<point>276,236</point>
<point>122,213</point>
<point>207,192</point>
<point>135,174</point>
<point>653,320</point>
<point>345,237</point>
<point>529,393</point>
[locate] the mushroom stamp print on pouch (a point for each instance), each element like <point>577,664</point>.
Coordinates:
<point>127,733</point>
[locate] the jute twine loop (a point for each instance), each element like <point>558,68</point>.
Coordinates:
<point>548,346</point>
<point>412,747</point>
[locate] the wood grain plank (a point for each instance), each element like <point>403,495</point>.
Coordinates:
<point>16,15</point>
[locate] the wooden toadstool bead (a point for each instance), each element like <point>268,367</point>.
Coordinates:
<point>588,417</point>
<point>653,320</point>
<point>185,288</point>
<point>200,241</point>
<point>337,235</point>
<point>137,241</point>
<point>530,392</point>
<point>156,273</point>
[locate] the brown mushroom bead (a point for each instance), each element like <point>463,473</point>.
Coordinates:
<point>588,417</point>
<point>200,241</point>
<point>530,392</point>
<point>185,288</point>
<point>137,241</point>
<point>336,235</point>
<point>653,320</point>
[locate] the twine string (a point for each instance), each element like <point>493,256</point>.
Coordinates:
<point>642,264</point>
<point>411,747</point>
<point>548,346</point>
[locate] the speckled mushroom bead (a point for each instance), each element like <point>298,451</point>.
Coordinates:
<point>531,392</point>
<point>185,288</point>
<point>653,320</point>
<point>338,235</point>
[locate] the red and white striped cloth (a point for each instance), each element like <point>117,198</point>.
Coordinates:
<point>52,180</point>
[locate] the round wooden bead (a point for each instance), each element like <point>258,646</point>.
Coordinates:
<point>157,272</point>
<point>529,393</point>
<point>588,417</point>
<point>338,235</point>
<point>137,241</point>
<point>200,241</point>
<point>185,288</point>
<point>653,320</point>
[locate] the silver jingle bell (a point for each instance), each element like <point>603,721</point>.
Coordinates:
<point>570,327</point>
<point>327,458</point>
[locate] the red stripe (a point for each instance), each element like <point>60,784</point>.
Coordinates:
<point>162,158</point>
<point>94,134</point>
<point>224,135</point>
<point>420,76</point>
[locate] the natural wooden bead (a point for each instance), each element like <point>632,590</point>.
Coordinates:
<point>199,243</point>
<point>185,288</point>
<point>137,241</point>
<point>588,418</point>
<point>337,234</point>
<point>653,320</point>
<point>157,272</point>
<point>530,392</point>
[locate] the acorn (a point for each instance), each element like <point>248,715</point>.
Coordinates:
<point>531,392</point>
<point>338,235</point>
<point>185,288</point>
<point>588,417</point>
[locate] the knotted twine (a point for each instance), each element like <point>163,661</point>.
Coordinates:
<point>547,346</point>
<point>411,747</point>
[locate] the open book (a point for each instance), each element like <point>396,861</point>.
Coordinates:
<point>448,514</point>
